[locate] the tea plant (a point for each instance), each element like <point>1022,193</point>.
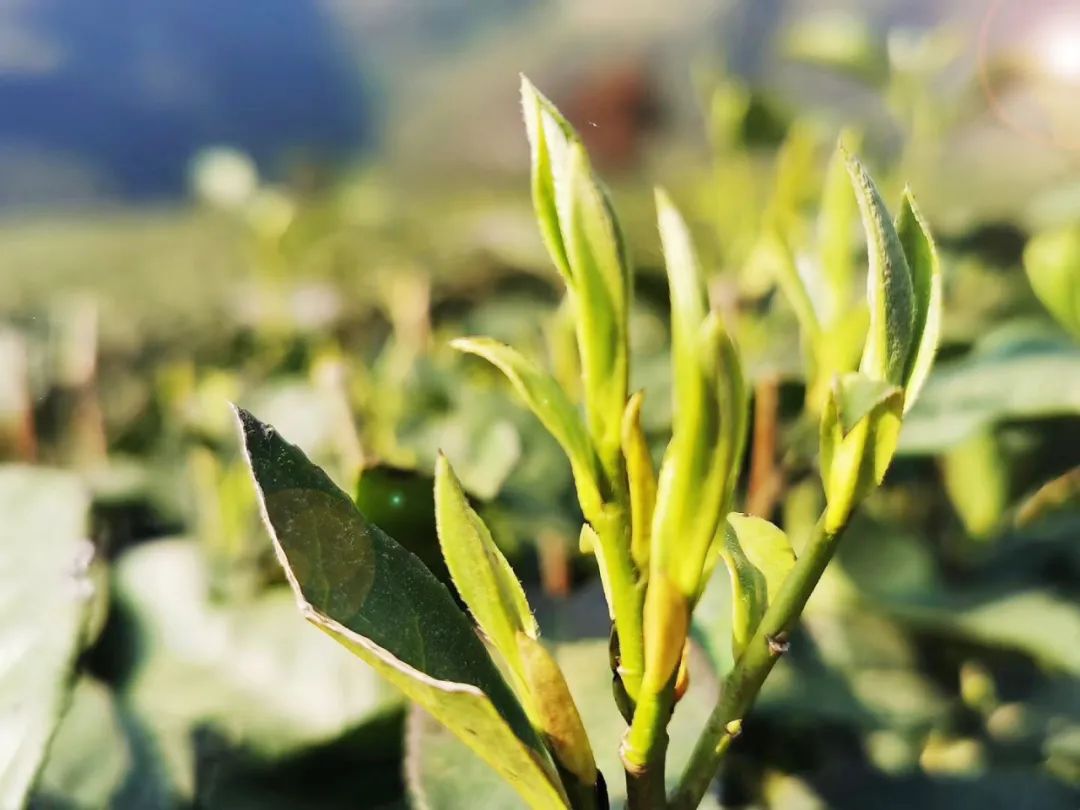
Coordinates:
<point>657,535</point>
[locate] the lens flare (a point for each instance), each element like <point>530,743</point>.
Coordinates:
<point>1029,67</point>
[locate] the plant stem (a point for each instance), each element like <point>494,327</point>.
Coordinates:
<point>627,598</point>
<point>744,681</point>
<point>645,747</point>
<point>645,788</point>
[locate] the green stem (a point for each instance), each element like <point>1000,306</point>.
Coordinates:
<point>627,598</point>
<point>743,683</point>
<point>645,747</point>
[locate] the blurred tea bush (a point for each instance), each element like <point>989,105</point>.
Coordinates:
<point>152,654</point>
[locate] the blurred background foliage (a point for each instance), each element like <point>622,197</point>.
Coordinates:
<point>296,205</point>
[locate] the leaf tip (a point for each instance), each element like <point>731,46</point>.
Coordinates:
<point>467,345</point>
<point>663,199</point>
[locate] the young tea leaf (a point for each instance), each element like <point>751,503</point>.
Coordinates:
<point>481,574</point>
<point>749,592</point>
<point>773,253</point>
<point>364,590</point>
<point>549,136</point>
<point>888,287</point>
<point>839,211</point>
<point>758,556</point>
<point>601,273</point>
<point>697,473</point>
<point>579,227</point>
<point>922,258</point>
<point>557,713</point>
<point>860,427</point>
<point>641,477</point>
<point>548,401</point>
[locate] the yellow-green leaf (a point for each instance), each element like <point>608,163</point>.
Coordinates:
<point>888,285</point>
<point>360,587</point>
<point>550,404</point>
<point>773,254</point>
<point>549,138</point>
<point>976,477</point>
<point>480,572</point>
<point>1052,262</point>
<point>601,275</point>
<point>689,304</point>
<point>758,557</point>
<point>583,237</point>
<point>589,543</point>
<point>699,469</point>
<point>922,258</point>
<point>860,427</point>
<point>835,225</point>
<point>641,477</point>
<point>557,713</point>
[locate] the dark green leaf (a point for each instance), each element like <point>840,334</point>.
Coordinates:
<point>401,502</point>
<point>359,586</point>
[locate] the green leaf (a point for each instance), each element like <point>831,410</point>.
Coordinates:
<point>89,756</point>
<point>758,556</point>
<point>369,594</point>
<point>836,220</point>
<point>548,401</point>
<point>966,396</point>
<point>583,237</point>
<point>589,543</point>
<point>641,477</point>
<point>550,136</point>
<point>401,502</point>
<point>773,253</point>
<point>766,547</point>
<point>46,593</point>
<point>888,287</point>
<point>689,303</point>
<point>922,258</point>
<point>196,656</point>
<point>860,427</point>
<point>558,714</point>
<point>700,467</point>
<point>976,477</point>
<point>1052,263</point>
<point>1033,622</point>
<point>602,298</point>
<point>442,774</point>
<point>481,574</point>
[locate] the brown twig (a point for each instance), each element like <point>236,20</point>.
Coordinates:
<point>766,479</point>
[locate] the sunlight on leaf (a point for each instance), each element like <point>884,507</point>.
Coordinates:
<point>364,590</point>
